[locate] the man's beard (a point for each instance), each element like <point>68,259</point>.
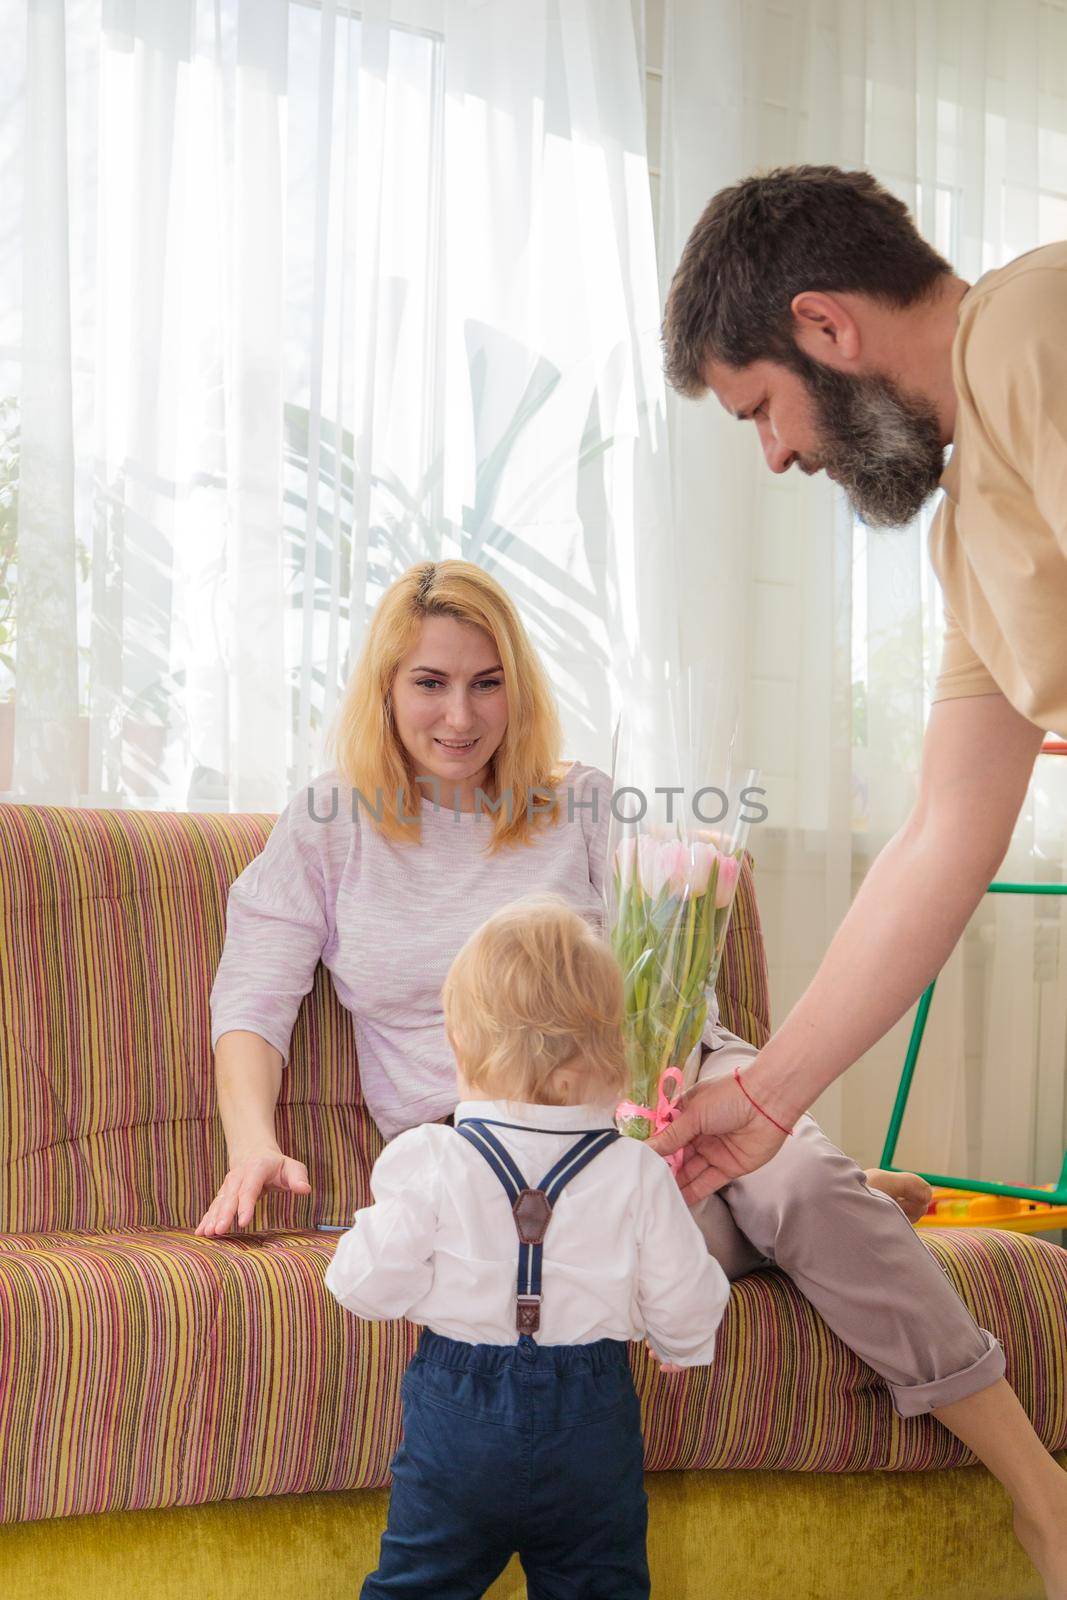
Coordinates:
<point>882,446</point>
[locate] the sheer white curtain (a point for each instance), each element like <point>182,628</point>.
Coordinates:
<point>294,294</point>
<point>833,633</point>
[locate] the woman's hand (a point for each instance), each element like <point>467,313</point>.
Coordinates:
<point>724,1137</point>
<point>243,1185</point>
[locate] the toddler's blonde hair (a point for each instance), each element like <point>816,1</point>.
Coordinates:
<point>533,994</point>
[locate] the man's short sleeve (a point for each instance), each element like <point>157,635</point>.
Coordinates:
<point>1015,362</point>
<point>962,674</point>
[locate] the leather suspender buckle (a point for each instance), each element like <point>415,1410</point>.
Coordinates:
<point>532,1211</point>
<point>528,1313</point>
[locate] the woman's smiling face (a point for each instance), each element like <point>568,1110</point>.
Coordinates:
<point>450,706</point>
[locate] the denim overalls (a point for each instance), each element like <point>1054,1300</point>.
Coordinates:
<point>526,1448</point>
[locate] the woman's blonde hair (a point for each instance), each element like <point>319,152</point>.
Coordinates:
<point>368,752</point>
<point>533,992</point>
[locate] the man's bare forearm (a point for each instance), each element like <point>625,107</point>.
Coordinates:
<point>899,932</point>
<point>248,1075</point>
<point>913,906</point>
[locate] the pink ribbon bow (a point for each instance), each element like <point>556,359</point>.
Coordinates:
<point>666,1110</point>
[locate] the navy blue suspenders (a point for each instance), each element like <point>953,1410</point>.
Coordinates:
<point>532,1208</point>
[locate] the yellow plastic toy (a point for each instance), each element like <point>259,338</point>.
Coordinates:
<point>966,1208</point>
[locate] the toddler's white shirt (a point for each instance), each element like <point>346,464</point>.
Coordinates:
<point>623,1258</point>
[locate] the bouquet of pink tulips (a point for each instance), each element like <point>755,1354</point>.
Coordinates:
<point>671,906</point>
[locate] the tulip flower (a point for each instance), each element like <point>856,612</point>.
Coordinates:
<point>702,859</point>
<point>651,865</point>
<point>729,872</point>
<point>674,866</point>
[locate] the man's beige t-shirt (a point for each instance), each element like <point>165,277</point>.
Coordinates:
<point>999,541</point>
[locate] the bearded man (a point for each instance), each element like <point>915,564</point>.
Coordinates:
<point>809,304</point>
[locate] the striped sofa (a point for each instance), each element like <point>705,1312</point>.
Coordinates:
<point>192,1417</point>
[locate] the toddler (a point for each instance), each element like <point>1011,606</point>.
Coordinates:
<point>532,1242</point>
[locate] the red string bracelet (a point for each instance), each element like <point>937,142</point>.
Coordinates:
<point>737,1079</point>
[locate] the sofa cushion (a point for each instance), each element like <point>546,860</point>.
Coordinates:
<point>156,1368</point>
<point>111,928</point>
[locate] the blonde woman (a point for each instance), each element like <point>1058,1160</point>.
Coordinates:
<point>449,801</point>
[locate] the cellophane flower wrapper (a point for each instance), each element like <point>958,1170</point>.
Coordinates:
<point>673,899</point>
<point>670,892</point>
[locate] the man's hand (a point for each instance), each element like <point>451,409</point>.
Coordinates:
<point>726,1137</point>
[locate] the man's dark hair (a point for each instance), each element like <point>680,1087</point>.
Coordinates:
<point>767,239</point>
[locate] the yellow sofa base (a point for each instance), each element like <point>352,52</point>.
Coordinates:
<point>713,1536</point>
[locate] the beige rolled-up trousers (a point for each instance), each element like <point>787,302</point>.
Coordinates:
<point>852,1252</point>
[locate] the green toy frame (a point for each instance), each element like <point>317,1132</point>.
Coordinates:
<point>1056,1196</point>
